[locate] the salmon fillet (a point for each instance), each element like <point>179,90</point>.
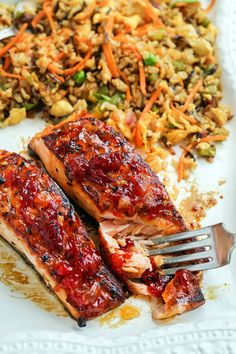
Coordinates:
<point>39,221</point>
<point>103,173</point>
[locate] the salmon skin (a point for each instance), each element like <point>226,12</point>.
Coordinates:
<point>103,173</point>
<point>39,221</point>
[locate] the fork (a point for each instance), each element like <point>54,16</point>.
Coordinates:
<point>7,32</point>
<point>211,247</point>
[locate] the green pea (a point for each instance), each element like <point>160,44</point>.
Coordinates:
<point>80,77</point>
<point>150,60</point>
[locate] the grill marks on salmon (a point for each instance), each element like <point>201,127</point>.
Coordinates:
<point>39,221</point>
<point>105,175</point>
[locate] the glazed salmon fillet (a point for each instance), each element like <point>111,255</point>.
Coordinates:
<point>103,173</point>
<point>39,221</point>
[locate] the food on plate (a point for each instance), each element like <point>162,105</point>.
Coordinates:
<point>103,173</point>
<point>148,69</point>
<point>39,221</point>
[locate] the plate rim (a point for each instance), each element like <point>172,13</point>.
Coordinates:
<point>195,337</point>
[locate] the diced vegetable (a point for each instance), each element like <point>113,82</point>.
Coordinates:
<point>210,70</point>
<point>29,106</point>
<point>201,46</point>
<point>103,96</point>
<point>220,115</point>
<point>184,1</point>
<point>80,77</point>
<point>212,89</point>
<point>117,98</point>
<point>171,126</point>
<point>16,116</point>
<point>206,150</point>
<point>61,108</point>
<point>205,22</point>
<point>150,60</point>
<point>155,108</point>
<point>18,15</point>
<point>179,65</point>
<point>157,35</point>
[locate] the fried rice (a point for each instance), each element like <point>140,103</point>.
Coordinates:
<point>149,69</point>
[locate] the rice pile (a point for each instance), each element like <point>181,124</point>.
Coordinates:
<point>147,68</point>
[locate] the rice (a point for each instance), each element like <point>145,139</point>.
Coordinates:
<point>168,45</point>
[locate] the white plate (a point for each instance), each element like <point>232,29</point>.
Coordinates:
<point>27,329</point>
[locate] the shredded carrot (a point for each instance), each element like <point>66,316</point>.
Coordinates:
<point>134,50</point>
<point>48,9</point>
<point>138,137</point>
<point>125,79</point>
<point>177,111</point>
<point>191,96</point>
<point>59,78</point>
<point>107,48</point>
<point>142,30</point>
<point>65,32</point>
<point>182,4</point>
<point>102,3</point>
<point>181,160</point>
<point>120,38</point>
<point>213,138</point>
<point>128,91</point>
<point>7,63</point>
<point>210,59</point>
<point>151,101</point>
<point>210,6</point>
<point>14,40</point>
<point>38,18</point>
<point>56,70</point>
<point>59,56</point>
<point>89,13</point>
<point>142,77</point>
<point>83,62</point>
<point>109,25</point>
<point>150,11</point>
<point>191,146</point>
<point>78,66</point>
<point>90,10</point>
<point>11,76</point>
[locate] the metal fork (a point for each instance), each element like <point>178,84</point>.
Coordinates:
<point>210,247</point>
<point>7,32</point>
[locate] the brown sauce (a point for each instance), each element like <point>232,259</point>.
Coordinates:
<point>21,279</point>
<point>119,316</point>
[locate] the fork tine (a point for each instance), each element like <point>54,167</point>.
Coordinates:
<point>182,236</point>
<point>189,257</point>
<point>180,247</point>
<point>193,267</point>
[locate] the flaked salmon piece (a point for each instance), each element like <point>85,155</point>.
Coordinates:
<point>125,252</point>
<point>39,221</point>
<point>103,173</point>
